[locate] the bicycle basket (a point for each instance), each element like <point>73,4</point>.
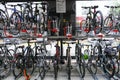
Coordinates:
<point>110,51</point>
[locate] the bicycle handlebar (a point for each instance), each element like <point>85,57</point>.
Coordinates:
<point>112,6</point>
<point>92,7</point>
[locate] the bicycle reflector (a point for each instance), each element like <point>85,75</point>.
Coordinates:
<point>69,36</point>
<point>100,35</point>
<point>86,30</point>
<point>10,36</point>
<point>54,30</point>
<point>24,30</point>
<point>39,35</point>
<point>115,30</point>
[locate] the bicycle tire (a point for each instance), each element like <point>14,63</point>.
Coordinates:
<point>98,23</point>
<point>17,66</point>
<point>3,19</point>
<point>82,67</point>
<point>15,26</point>
<point>93,68</point>
<point>93,63</point>
<point>42,24</point>
<point>109,68</point>
<point>6,64</point>
<point>82,25</point>
<point>108,25</point>
<point>80,61</point>
<point>88,25</point>
<point>42,72</point>
<point>117,67</point>
<point>68,63</point>
<point>55,70</point>
<point>69,68</point>
<point>29,61</point>
<point>27,19</point>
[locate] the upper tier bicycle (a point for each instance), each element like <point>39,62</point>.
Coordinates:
<point>111,21</point>
<point>93,21</point>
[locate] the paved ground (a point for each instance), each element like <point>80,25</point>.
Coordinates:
<point>62,75</point>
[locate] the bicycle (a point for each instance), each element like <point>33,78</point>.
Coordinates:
<point>35,16</point>
<point>12,22</point>
<point>111,22</point>
<point>91,58</point>
<point>5,60</point>
<point>68,58</point>
<point>24,62</point>
<point>56,60</point>
<point>40,58</point>
<point>80,58</point>
<point>93,21</point>
<point>104,57</point>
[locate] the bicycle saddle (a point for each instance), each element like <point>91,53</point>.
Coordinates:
<point>21,46</point>
<point>21,5</point>
<point>85,7</point>
<point>93,7</point>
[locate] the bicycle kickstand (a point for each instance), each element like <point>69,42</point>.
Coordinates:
<point>27,77</point>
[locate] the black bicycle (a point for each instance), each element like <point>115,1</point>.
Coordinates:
<point>93,21</point>
<point>23,62</point>
<point>105,57</point>
<point>68,58</point>
<point>56,61</point>
<point>6,56</point>
<point>80,59</point>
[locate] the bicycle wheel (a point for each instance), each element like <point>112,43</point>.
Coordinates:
<point>41,23</point>
<point>55,69</point>
<point>76,52</point>
<point>109,67</point>
<point>82,25</point>
<point>92,60</point>
<point>117,67</point>
<point>5,63</point>
<point>80,61</point>
<point>68,64</point>
<point>98,22</point>
<point>29,63</point>
<point>42,72</point>
<point>82,67</point>
<point>3,19</point>
<point>88,25</point>
<point>17,66</point>
<point>15,23</point>
<point>108,25</point>
<point>27,19</point>
<point>93,68</point>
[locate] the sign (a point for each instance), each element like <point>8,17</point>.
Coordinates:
<point>60,6</point>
